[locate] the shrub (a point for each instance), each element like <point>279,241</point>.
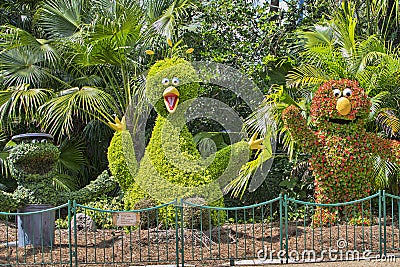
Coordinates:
<point>200,218</point>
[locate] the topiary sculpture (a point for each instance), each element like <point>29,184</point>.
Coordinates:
<point>341,147</point>
<point>33,164</point>
<point>172,167</point>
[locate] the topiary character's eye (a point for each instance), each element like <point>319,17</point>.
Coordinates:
<point>43,141</point>
<point>347,92</point>
<point>175,81</point>
<point>165,81</point>
<point>337,92</point>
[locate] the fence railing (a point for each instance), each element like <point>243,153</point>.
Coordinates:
<point>280,230</point>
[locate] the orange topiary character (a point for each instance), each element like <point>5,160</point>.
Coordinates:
<point>341,148</point>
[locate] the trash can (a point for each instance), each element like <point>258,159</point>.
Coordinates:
<point>36,229</point>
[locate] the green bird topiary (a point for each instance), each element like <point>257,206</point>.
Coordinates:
<point>341,148</point>
<point>172,167</point>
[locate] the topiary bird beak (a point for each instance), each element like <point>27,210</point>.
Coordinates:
<point>171,98</point>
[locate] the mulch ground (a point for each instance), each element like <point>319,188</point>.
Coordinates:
<point>120,247</point>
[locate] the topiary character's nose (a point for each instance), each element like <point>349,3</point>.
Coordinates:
<point>343,106</point>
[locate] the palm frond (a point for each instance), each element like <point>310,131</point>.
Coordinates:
<point>60,18</point>
<point>238,186</point>
<point>155,8</point>
<point>72,155</point>
<point>344,26</point>
<point>23,66</point>
<point>21,104</point>
<point>385,174</point>
<point>66,183</point>
<point>13,37</point>
<point>377,102</point>
<point>114,34</point>
<point>82,104</point>
<point>262,119</point>
<point>173,15</point>
<point>389,122</point>
<point>306,74</point>
<point>319,36</point>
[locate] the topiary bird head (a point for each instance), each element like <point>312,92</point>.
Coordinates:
<point>339,104</point>
<point>169,82</point>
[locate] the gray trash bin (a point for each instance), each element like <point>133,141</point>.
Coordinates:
<point>36,229</point>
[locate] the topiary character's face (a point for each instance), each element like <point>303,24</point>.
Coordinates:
<point>169,82</point>
<point>340,103</point>
<point>30,161</point>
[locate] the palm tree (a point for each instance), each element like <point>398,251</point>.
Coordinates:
<point>104,43</point>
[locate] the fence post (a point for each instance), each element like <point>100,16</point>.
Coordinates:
<point>384,222</point>
<point>380,223</point>
<point>177,232</point>
<point>69,233</point>
<point>182,235</point>
<point>280,223</point>
<point>285,203</point>
<point>75,234</point>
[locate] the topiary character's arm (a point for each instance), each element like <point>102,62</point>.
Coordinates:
<point>104,183</point>
<point>8,201</point>
<point>298,129</point>
<point>385,148</point>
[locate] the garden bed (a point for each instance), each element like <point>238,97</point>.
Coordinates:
<point>239,241</point>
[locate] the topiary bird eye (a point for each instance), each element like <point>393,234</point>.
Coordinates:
<point>337,92</point>
<point>165,81</point>
<point>175,81</point>
<point>347,92</point>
